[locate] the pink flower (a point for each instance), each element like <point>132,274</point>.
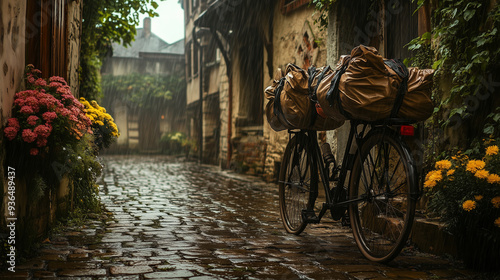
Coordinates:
<point>13,122</point>
<point>31,79</point>
<point>57,79</point>
<point>64,90</point>
<point>41,82</point>
<point>65,112</point>
<point>41,142</point>
<point>34,151</point>
<point>32,120</point>
<point>31,100</point>
<point>73,118</point>
<point>10,132</point>
<point>42,131</point>
<point>29,136</point>
<point>49,116</point>
<point>26,110</point>
<point>55,84</point>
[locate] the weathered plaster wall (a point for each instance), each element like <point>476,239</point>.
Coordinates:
<point>74,44</point>
<point>288,47</point>
<point>224,107</point>
<point>12,30</point>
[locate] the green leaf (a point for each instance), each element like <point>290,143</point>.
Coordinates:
<point>488,130</point>
<point>436,64</point>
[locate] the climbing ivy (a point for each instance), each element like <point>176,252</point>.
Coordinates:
<point>322,8</point>
<point>464,52</point>
<point>147,92</point>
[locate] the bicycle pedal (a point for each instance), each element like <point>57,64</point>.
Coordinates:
<point>346,220</point>
<point>309,216</point>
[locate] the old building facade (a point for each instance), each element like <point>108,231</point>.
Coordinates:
<point>232,50</point>
<point>141,126</point>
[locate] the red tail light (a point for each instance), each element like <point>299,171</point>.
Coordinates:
<point>407,130</point>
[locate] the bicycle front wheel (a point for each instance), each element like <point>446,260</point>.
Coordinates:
<point>383,179</point>
<point>298,177</point>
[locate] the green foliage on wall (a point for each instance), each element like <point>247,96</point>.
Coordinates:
<point>106,22</point>
<point>148,92</point>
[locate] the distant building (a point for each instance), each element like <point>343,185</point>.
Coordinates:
<point>148,54</point>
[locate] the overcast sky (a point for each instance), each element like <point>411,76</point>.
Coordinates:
<point>170,24</point>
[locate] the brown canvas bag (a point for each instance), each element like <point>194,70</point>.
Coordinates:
<point>372,88</point>
<point>290,106</point>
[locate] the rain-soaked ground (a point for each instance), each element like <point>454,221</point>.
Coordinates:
<point>170,219</point>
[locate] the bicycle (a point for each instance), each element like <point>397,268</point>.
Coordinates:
<point>380,195</point>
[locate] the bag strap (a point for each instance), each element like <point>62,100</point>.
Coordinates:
<point>278,111</point>
<point>397,66</point>
<point>333,94</point>
<point>313,91</point>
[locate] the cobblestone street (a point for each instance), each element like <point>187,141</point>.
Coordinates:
<point>175,220</point>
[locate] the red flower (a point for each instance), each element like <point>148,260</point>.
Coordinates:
<point>31,79</point>
<point>26,110</point>
<point>32,120</point>
<point>41,142</point>
<point>40,82</point>
<point>49,116</point>
<point>13,122</point>
<point>10,132</point>
<point>29,136</point>
<point>34,151</point>
<point>57,79</point>
<point>42,131</point>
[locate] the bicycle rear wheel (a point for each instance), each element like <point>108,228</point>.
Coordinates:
<point>298,181</point>
<point>384,179</point>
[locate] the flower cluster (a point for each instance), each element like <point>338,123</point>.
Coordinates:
<point>103,125</point>
<point>463,186</point>
<point>46,114</point>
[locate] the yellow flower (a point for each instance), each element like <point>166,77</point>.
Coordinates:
<point>492,150</point>
<point>497,222</point>
<point>443,164</point>
<point>478,197</point>
<point>482,174</point>
<point>493,179</point>
<point>469,205</point>
<point>496,201</point>
<point>450,172</point>
<point>475,165</point>
<point>429,184</point>
<point>99,123</point>
<point>435,175</point>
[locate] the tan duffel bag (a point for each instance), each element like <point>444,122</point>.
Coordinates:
<point>289,105</point>
<point>368,87</point>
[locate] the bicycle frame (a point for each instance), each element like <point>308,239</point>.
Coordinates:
<point>334,197</point>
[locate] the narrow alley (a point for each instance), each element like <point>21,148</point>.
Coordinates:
<point>170,219</point>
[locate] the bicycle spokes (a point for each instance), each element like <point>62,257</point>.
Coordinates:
<point>381,179</point>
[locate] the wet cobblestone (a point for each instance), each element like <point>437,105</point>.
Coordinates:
<point>176,220</point>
